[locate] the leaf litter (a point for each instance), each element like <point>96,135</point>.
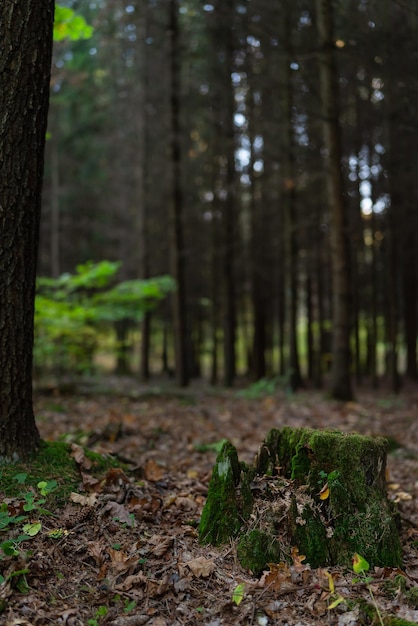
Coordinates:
<point>124,549</point>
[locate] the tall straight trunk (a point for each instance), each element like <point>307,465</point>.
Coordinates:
<point>289,201</point>
<point>55,205</point>
<point>25,67</point>
<point>229,209</point>
<point>177,256</point>
<point>340,373</point>
<point>310,350</point>
<point>143,190</point>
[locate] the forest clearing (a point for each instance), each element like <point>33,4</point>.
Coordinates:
<point>219,191</point>
<point>131,555</point>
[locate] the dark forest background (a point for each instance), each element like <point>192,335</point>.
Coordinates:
<point>186,139</point>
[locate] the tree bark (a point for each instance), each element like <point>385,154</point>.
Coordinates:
<point>340,373</point>
<point>289,201</point>
<point>25,64</point>
<point>176,225</point>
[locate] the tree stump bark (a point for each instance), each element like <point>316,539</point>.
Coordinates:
<point>323,492</point>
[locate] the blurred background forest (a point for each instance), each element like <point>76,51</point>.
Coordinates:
<point>185,140</point>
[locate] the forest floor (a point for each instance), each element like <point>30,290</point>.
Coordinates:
<point>125,550</point>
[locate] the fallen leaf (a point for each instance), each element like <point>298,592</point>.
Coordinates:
<point>238,594</point>
<point>273,579</point>
<point>131,581</point>
<point>297,559</point>
<point>161,544</point>
<point>157,587</point>
<point>201,566</point>
<point>324,493</point>
<point>78,498</point>
<point>96,550</point>
<point>186,503</point>
<point>119,513</point>
<point>77,453</point>
<point>330,579</point>
<point>153,472</point>
<point>116,476</point>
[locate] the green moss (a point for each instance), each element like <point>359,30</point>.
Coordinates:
<point>245,495</point>
<point>266,461</point>
<point>355,517</point>
<point>52,462</point>
<point>411,597</point>
<point>256,549</point>
<point>221,515</point>
<point>308,534</point>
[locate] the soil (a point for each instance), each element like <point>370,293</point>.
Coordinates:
<point>124,550</point>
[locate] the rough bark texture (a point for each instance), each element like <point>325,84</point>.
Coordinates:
<point>25,62</point>
<point>329,500</point>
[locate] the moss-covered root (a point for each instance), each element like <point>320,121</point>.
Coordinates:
<point>221,518</point>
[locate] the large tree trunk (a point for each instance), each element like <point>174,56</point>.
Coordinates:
<point>340,373</point>
<point>25,64</point>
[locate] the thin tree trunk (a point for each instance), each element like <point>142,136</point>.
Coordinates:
<point>55,206</point>
<point>176,221</point>
<point>289,202</point>
<point>340,373</point>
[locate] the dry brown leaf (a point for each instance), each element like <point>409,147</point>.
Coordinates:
<point>89,482</point>
<point>161,544</point>
<point>297,559</point>
<point>96,550</point>
<point>77,453</point>
<point>201,567</point>
<point>78,498</point>
<point>119,513</point>
<point>116,476</point>
<point>153,472</point>
<point>157,587</point>
<point>186,503</point>
<point>131,581</point>
<point>278,574</point>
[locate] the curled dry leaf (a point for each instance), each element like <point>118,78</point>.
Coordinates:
<point>201,567</point>
<point>157,587</point>
<point>78,498</point>
<point>77,453</point>
<point>297,559</point>
<point>186,503</point>
<point>278,574</point>
<point>131,581</point>
<point>96,550</point>
<point>161,544</point>
<point>153,471</point>
<point>119,512</point>
<point>324,493</point>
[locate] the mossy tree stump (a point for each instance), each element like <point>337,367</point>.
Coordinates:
<point>323,492</point>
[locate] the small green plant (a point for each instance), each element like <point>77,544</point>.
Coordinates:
<point>13,515</point>
<point>361,566</point>
<point>129,605</point>
<point>210,447</point>
<point>102,611</point>
<point>261,388</point>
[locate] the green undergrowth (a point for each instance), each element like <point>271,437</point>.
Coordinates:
<point>53,462</point>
